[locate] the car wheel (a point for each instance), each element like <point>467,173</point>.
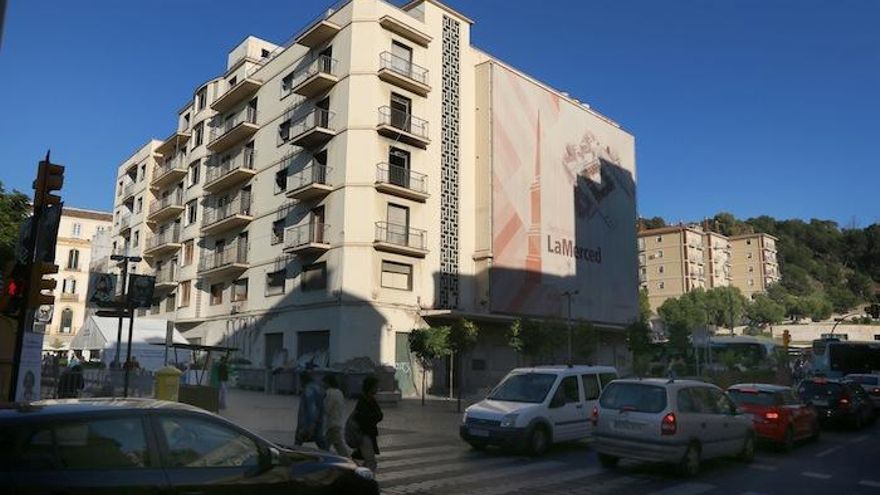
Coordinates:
<point>539,440</point>
<point>477,445</point>
<point>788,441</point>
<point>690,462</point>
<point>608,461</point>
<point>748,451</point>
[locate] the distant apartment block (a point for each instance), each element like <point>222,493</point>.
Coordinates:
<point>753,262</point>
<point>717,257</point>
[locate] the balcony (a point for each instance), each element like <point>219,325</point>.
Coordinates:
<point>229,260</point>
<point>318,32</point>
<point>236,94</point>
<point>400,239</point>
<point>309,183</point>
<point>234,130</point>
<point>307,239</point>
<point>166,277</point>
<point>168,173</point>
<point>175,142</point>
<point>313,130</point>
<point>401,126</point>
<point>128,192</point>
<point>228,216</point>
<point>124,223</point>
<point>315,78</point>
<point>69,297</point>
<point>163,243</point>
<point>402,182</point>
<point>401,29</point>
<point>166,208</point>
<point>403,73</point>
<point>228,170</point>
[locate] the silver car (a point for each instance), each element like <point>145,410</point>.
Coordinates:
<point>678,422</point>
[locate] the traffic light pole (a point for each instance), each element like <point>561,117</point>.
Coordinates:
<point>128,351</point>
<point>26,312</point>
<point>125,261</point>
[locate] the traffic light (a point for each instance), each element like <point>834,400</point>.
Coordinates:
<point>786,338</point>
<point>14,296</point>
<point>50,177</point>
<point>38,284</point>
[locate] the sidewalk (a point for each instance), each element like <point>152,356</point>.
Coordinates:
<point>274,416</point>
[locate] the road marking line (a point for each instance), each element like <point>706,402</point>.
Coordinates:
<point>442,468</point>
<point>432,484</point>
<point>828,451</point>
<point>763,467</point>
<point>872,484</point>
<point>422,459</point>
<point>394,454</point>
<point>859,439</point>
<point>686,489</point>
<point>563,477</point>
<point>818,476</point>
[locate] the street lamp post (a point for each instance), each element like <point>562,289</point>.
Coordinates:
<point>839,320</point>
<point>568,294</point>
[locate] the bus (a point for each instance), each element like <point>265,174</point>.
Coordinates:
<point>834,358</point>
<point>750,352</point>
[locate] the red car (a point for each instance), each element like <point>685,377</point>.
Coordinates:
<point>780,415</point>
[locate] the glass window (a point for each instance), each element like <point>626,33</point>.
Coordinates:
<point>77,229</point>
<point>240,290</point>
<point>639,397</point>
<point>591,386</point>
<point>396,275</point>
<point>524,387</point>
<point>686,403</point>
<point>277,232</point>
<point>755,397</point>
<point>185,292</point>
<point>66,320</point>
<point>281,181</point>
<point>216,294</point>
<point>568,390</point>
<point>191,212</point>
<point>194,173</point>
<point>314,277</point>
<point>275,282</point>
<point>195,442</point>
<point>97,444</point>
<point>188,248</point>
<point>73,259</point>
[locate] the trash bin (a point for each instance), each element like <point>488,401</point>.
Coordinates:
<point>168,383</point>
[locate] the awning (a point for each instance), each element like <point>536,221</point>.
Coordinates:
<point>99,333</point>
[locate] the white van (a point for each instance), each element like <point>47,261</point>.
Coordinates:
<point>533,408</point>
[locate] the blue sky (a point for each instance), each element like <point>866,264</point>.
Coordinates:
<point>748,106</point>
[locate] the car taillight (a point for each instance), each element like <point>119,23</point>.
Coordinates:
<point>771,415</point>
<point>844,402</point>
<point>595,416</point>
<point>667,426</point>
<point>876,391</point>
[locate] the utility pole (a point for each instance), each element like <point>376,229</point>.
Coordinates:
<point>568,294</point>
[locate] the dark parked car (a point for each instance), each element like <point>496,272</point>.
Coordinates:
<point>140,446</point>
<point>838,401</point>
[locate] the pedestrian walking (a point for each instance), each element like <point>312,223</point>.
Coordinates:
<point>334,403</point>
<point>310,416</point>
<point>367,415</point>
<point>222,377</point>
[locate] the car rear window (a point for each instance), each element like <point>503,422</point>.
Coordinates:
<point>828,390</point>
<point>864,380</point>
<point>639,397</point>
<point>754,397</point>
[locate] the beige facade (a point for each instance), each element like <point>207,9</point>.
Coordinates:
<point>716,256</point>
<point>320,197</point>
<point>671,262</point>
<point>73,255</point>
<point>753,262</point>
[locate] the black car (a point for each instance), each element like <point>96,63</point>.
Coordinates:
<point>838,401</point>
<point>140,446</point>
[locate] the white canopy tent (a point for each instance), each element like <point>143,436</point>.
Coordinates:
<point>148,335</point>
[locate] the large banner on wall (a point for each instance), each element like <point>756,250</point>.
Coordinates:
<point>563,206</point>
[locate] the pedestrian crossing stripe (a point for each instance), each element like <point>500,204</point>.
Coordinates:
<point>478,477</point>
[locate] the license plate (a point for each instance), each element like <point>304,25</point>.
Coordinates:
<point>479,432</point>
<point>627,425</point>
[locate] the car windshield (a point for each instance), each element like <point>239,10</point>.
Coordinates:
<point>864,379</point>
<point>753,398</point>
<point>638,397</point>
<point>827,390</point>
<point>524,387</point>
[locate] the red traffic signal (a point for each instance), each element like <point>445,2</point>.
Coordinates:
<point>14,295</point>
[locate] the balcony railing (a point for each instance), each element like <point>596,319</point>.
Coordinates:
<point>124,221</point>
<point>401,176</point>
<point>234,253</point>
<point>167,274</point>
<point>241,205</point>
<point>403,126</point>
<point>174,199</point>
<point>315,173</point>
<point>401,235</point>
<point>318,117</point>
<point>404,67</point>
<point>321,65</point>
<point>128,190</point>
<point>171,236</point>
<point>218,168</point>
<point>176,164</point>
<point>305,235</point>
<point>247,116</point>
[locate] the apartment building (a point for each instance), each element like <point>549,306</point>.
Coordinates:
<point>716,257</point>
<point>73,255</point>
<point>374,174</point>
<point>753,262</point>
<point>672,261</point>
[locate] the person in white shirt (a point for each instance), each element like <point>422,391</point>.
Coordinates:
<point>334,420</point>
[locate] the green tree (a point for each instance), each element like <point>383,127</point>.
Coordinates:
<point>728,225</point>
<point>14,208</point>
<point>765,311</point>
<point>645,312</point>
<point>653,222</point>
<point>428,345</point>
<point>680,316</point>
<point>533,339</point>
<point>861,285</point>
<point>820,308</point>
<point>725,306</point>
<point>638,340</point>
<point>841,299</point>
<point>462,338</point>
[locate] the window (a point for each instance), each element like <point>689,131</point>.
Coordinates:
<point>287,84</point>
<point>398,225</point>
<point>749,255</point>
<point>192,209</point>
<point>751,282</point>
<point>66,320</point>
<point>281,180</point>
<point>661,285</point>
<point>240,290</point>
<point>194,173</point>
<point>660,269</point>
<point>275,282</point>
<point>396,275</point>
<point>264,53</point>
<point>568,390</point>
<point>314,277</point>
<point>232,81</point>
<point>77,229</point>
<point>169,303</point>
<point>143,173</point>
<point>748,242</point>
<point>139,205</point>
<point>659,238</point>
<point>73,259</point>
<point>591,386</point>
<point>751,269</point>
<point>216,294</point>
<point>188,248</point>
<point>68,286</point>
<point>186,121</point>
<point>400,112</point>
<point>198,443</point>
<point>403,52</point>
<point>659,254</point>
<point>135,238</point>
<point>284,131</point>
<point>277,232</point>
<point>185,290</point>
<point>97,444</point>
<point>201,98</point>
<point>199,132</point>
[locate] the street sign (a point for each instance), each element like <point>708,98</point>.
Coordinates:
<point>140,290</point>
<point>102,290</point>
<point>44,313</point>
<point>112,313</point>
